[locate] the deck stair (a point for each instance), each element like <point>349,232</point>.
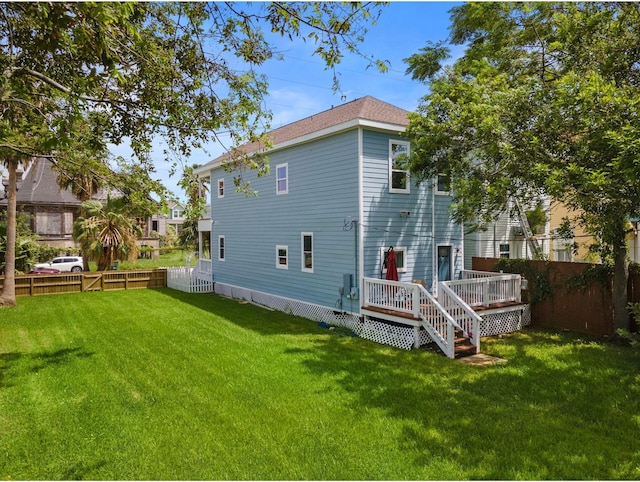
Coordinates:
<point>463,345</point>
<point>452,321</point>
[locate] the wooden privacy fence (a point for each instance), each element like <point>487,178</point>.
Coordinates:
<point>48,284</point>
<point>587,310</point>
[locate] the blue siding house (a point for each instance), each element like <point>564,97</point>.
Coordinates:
<point>335,200</point>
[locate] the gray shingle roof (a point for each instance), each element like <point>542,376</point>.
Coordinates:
<point>40,186</point>
<point>365,108</point>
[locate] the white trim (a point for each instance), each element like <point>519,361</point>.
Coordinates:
<point>278,257</point>
<point>383,126</point>
<point>302,253</point>
<point>224,247</point>
<point>451,259</point>
<point>221,180</point>
<point>284,165</point>
<point>435,187</point>
<point>395,190</point>
<point>403,250</point>
<point>359,223</point>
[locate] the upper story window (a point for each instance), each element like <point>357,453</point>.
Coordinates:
<point>178,213</point>
<point>307,252</point>
<point>282,178</point>
<point>443,184</point>
<point>399,181</point>
<point>220,188</point>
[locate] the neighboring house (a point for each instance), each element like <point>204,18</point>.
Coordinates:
<point>335,200</point>
<point>159,224</point>
<point>510,236</point>
<point>176,218</point>
<point>52,210</point>
<point>562,249</point>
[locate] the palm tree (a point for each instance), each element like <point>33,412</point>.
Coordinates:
<point>85,171</point>
<point>105,234</point>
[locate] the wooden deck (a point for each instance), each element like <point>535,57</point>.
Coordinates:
<point>390,312</point>
<point>503,306</point>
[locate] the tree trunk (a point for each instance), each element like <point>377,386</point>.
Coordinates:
<point>8,296</point>
<point>620,280</point>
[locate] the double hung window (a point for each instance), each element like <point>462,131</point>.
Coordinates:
<point>399,181</point>
<point>221,248</point>
<point>282,257</point>
<point>282,179</point>
<point>307,252</point>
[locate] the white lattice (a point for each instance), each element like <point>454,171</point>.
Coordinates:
<point>309,311</point>
<point>505,322</point>
<point>385,334</point>
<point>374,330</point>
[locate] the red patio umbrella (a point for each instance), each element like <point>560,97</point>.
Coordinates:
<point>392,267</point>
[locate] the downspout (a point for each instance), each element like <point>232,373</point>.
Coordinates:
<point>461,250</point>
<point>360,230</point>
<point>434,262</point>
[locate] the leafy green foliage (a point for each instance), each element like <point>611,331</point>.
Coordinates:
<point>28,251</point>
<point>544,101</point>
<point>77,76</point>
<point>540,287</point>
<point>106,233</point>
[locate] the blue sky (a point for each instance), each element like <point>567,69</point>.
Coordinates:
<point>299,85</point>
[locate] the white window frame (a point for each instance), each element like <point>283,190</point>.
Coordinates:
<point>286,256</point>
<point>285,179</point>
<point>303,253</point>
<point>407,189</point>
<point>437,186</point>
<point>501,251</point>
<point>220,188</point>
<point>222,244</point>
<point>401,249</point>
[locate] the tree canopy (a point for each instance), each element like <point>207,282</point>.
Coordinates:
<point>76,76</point>
<point>545,100</point>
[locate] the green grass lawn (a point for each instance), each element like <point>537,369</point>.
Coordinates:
<point>176,257</point>
<point>157,384</point>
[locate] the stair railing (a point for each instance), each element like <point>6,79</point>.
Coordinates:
<point>439,324</point>
<point>467,320</point>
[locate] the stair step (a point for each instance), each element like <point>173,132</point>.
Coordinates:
<point>464,350</point>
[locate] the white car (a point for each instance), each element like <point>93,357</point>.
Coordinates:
<point>63,263</point>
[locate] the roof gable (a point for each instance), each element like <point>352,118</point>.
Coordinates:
<point>365,109</point>
<point>40,186</point>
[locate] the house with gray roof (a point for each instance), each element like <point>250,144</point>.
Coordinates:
<point>336,199</point>
<point>52,209</point>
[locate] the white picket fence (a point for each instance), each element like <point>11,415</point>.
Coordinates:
<point>191,280</point>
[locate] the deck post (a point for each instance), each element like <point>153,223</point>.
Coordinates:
<point>485,292</point>
<point>415,300</point>
<point>416,337</point>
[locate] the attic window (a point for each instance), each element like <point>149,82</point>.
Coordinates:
<point>398,172</point>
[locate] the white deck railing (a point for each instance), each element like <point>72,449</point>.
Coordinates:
<point>413,299</point>
<point>483,288</point>
<point>454,307</point>
<point>466,319</point>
